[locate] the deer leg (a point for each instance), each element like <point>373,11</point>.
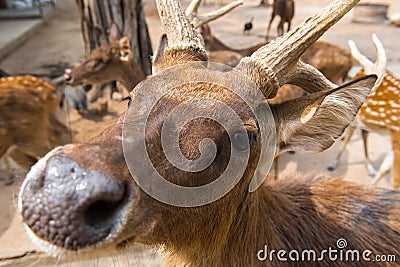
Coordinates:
<point>280,28</point>
<point>368,162</point>
<point>384,169</point>
<point>3,150</point>
<point>269,25</point>
<point>10,177</point>
<point>288,27</point>
<point>343,77</point>
<point>348,135</point>
<point>97,93</point>
<point>396,159</point>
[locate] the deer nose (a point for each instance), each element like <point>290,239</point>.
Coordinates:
<point>67,75</point>
<point>70,207</point>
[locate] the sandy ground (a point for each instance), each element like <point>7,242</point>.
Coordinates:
<point>59,43</point>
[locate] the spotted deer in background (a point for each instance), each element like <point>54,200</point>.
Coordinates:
<point>31,121</point>
<point>380,114</point>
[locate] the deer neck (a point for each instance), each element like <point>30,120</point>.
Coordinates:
<point>290,215</point>
<point>217,45</point>
<point>254,220</point>
<point>250,50</point>
<point>130,75</point>
<point>265,221</point>
<point>246,226</point>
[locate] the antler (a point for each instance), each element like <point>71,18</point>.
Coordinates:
<point>272,65</point>
<point>185,43</point>
<point>277,63</point>
<point>379,67</point>
<point>200,19</point>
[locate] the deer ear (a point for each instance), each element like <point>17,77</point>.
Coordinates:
<point>312,123</point>
<point>114,33</point>
<point>124,49</point>
<point>158,58</point>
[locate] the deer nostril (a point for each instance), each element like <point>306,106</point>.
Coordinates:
<point>101,209</point>
<point>68,79</point>
<point>101,212</point>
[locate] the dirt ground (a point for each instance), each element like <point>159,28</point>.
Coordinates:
<point>59,43</point>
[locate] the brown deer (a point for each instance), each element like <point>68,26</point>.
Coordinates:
<point>332,60</point>
<point>108,62</point>
<point>29,122</point>
<point>285,10</point>
<point>379,114</point>
<point>81,199</point>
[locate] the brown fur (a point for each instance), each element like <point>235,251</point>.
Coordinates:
<point>29,127</point>
<point>332,60</point>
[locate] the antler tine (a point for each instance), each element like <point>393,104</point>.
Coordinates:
<point>182,35</point>
<point>200,19</point>
<point>310,79</point>
<point>276,63</point>
<point>364,62</point>
<point>192,8</point>
<point>380,63</point>
<point>379,67</point>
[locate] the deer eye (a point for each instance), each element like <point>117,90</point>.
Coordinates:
<point>240,140</point>
<point>95,64</point>
<point>90,63</point>
<point>127,98</point>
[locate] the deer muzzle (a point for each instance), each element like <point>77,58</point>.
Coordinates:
<point>69,207</point>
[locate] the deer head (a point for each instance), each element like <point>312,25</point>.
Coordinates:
<point>109,62</point>
<point>88,199</point>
